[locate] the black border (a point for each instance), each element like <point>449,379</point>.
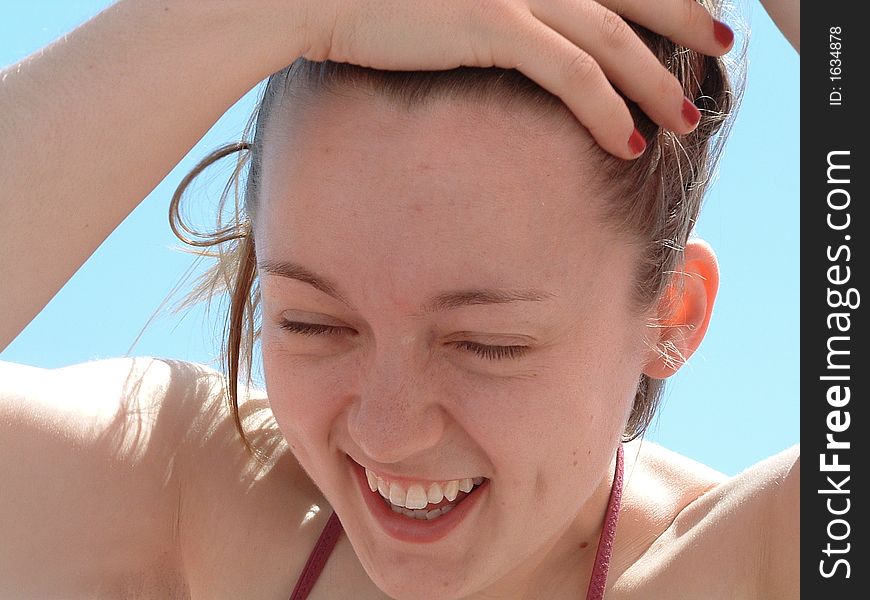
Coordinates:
<point>826,128</point>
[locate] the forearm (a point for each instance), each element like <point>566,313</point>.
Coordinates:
<point>92,123</point>
<point>787,16</point>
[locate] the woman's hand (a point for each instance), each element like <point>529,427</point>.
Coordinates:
<point>577,49</point>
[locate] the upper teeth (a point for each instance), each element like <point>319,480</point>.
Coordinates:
<point>418,495</point>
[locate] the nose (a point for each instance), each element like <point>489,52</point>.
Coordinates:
<point>396,414</point>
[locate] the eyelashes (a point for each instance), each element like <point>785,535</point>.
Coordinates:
<point>481,350</point>
<point>311,329</point>
<point>493,352</point>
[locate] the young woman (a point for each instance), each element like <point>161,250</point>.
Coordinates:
<point>465,306</point>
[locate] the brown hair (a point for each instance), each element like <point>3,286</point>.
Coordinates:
<point>655,198</point>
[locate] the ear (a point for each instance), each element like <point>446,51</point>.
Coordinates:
<point>684,311</point>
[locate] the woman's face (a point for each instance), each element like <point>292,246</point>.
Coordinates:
<point>435,236</point>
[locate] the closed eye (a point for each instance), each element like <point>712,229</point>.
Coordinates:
<point>312,328</point>
<point>481,350</point>
<point>493,352</point>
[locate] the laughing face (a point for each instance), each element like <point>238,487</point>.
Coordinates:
<point>444,312</point>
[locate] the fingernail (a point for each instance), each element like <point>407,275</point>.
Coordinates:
<point>722,33</point>
<point>691,114</point>
<point>636,143</point>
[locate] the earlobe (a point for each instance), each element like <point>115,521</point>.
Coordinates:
<point>684,312</point>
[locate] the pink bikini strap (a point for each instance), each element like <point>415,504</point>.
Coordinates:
<point>598,581</point>
<point>317,559</point>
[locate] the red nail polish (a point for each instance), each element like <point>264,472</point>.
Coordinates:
<point>636,143</point>
<point>722,33</point>
<point>691,114</point>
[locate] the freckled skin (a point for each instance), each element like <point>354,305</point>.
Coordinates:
<point>540,487</point>
<point>394,215</point>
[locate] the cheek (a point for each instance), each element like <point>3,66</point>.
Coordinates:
<point>560,422</point>
<point>306,396</point>
<point>565,426</point>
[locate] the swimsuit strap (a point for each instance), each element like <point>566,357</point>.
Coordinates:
<point>317,560</point>
<point>598,581</point>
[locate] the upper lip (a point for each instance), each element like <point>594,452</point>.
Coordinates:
<point>415,478</point>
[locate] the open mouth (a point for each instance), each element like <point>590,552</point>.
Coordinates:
<point>418,511</point>
<point>424,502</point>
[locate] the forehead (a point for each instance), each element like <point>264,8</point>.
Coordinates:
<point>469,191</point>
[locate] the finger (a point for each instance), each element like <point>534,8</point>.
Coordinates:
<point>557,64</point>
<point>624,58</point>
<point>685,22</point>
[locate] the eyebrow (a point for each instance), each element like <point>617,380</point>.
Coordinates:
<point>440,302</point>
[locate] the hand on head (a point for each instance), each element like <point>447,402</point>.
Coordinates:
<point>580,50</point>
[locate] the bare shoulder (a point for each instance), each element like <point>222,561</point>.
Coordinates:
<point>709,535</point>
<point>126,478</point>
<point>91,459</point>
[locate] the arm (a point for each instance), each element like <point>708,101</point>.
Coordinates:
<point>97,119</point>
<point>787,16</point>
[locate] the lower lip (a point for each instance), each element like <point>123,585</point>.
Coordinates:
<point>416,531</point>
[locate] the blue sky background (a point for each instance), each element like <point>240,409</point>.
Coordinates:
<point>736,402</point>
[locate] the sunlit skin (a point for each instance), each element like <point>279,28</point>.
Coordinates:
<point>395,208</point>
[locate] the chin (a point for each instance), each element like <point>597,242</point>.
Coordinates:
<point>407,585</point>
